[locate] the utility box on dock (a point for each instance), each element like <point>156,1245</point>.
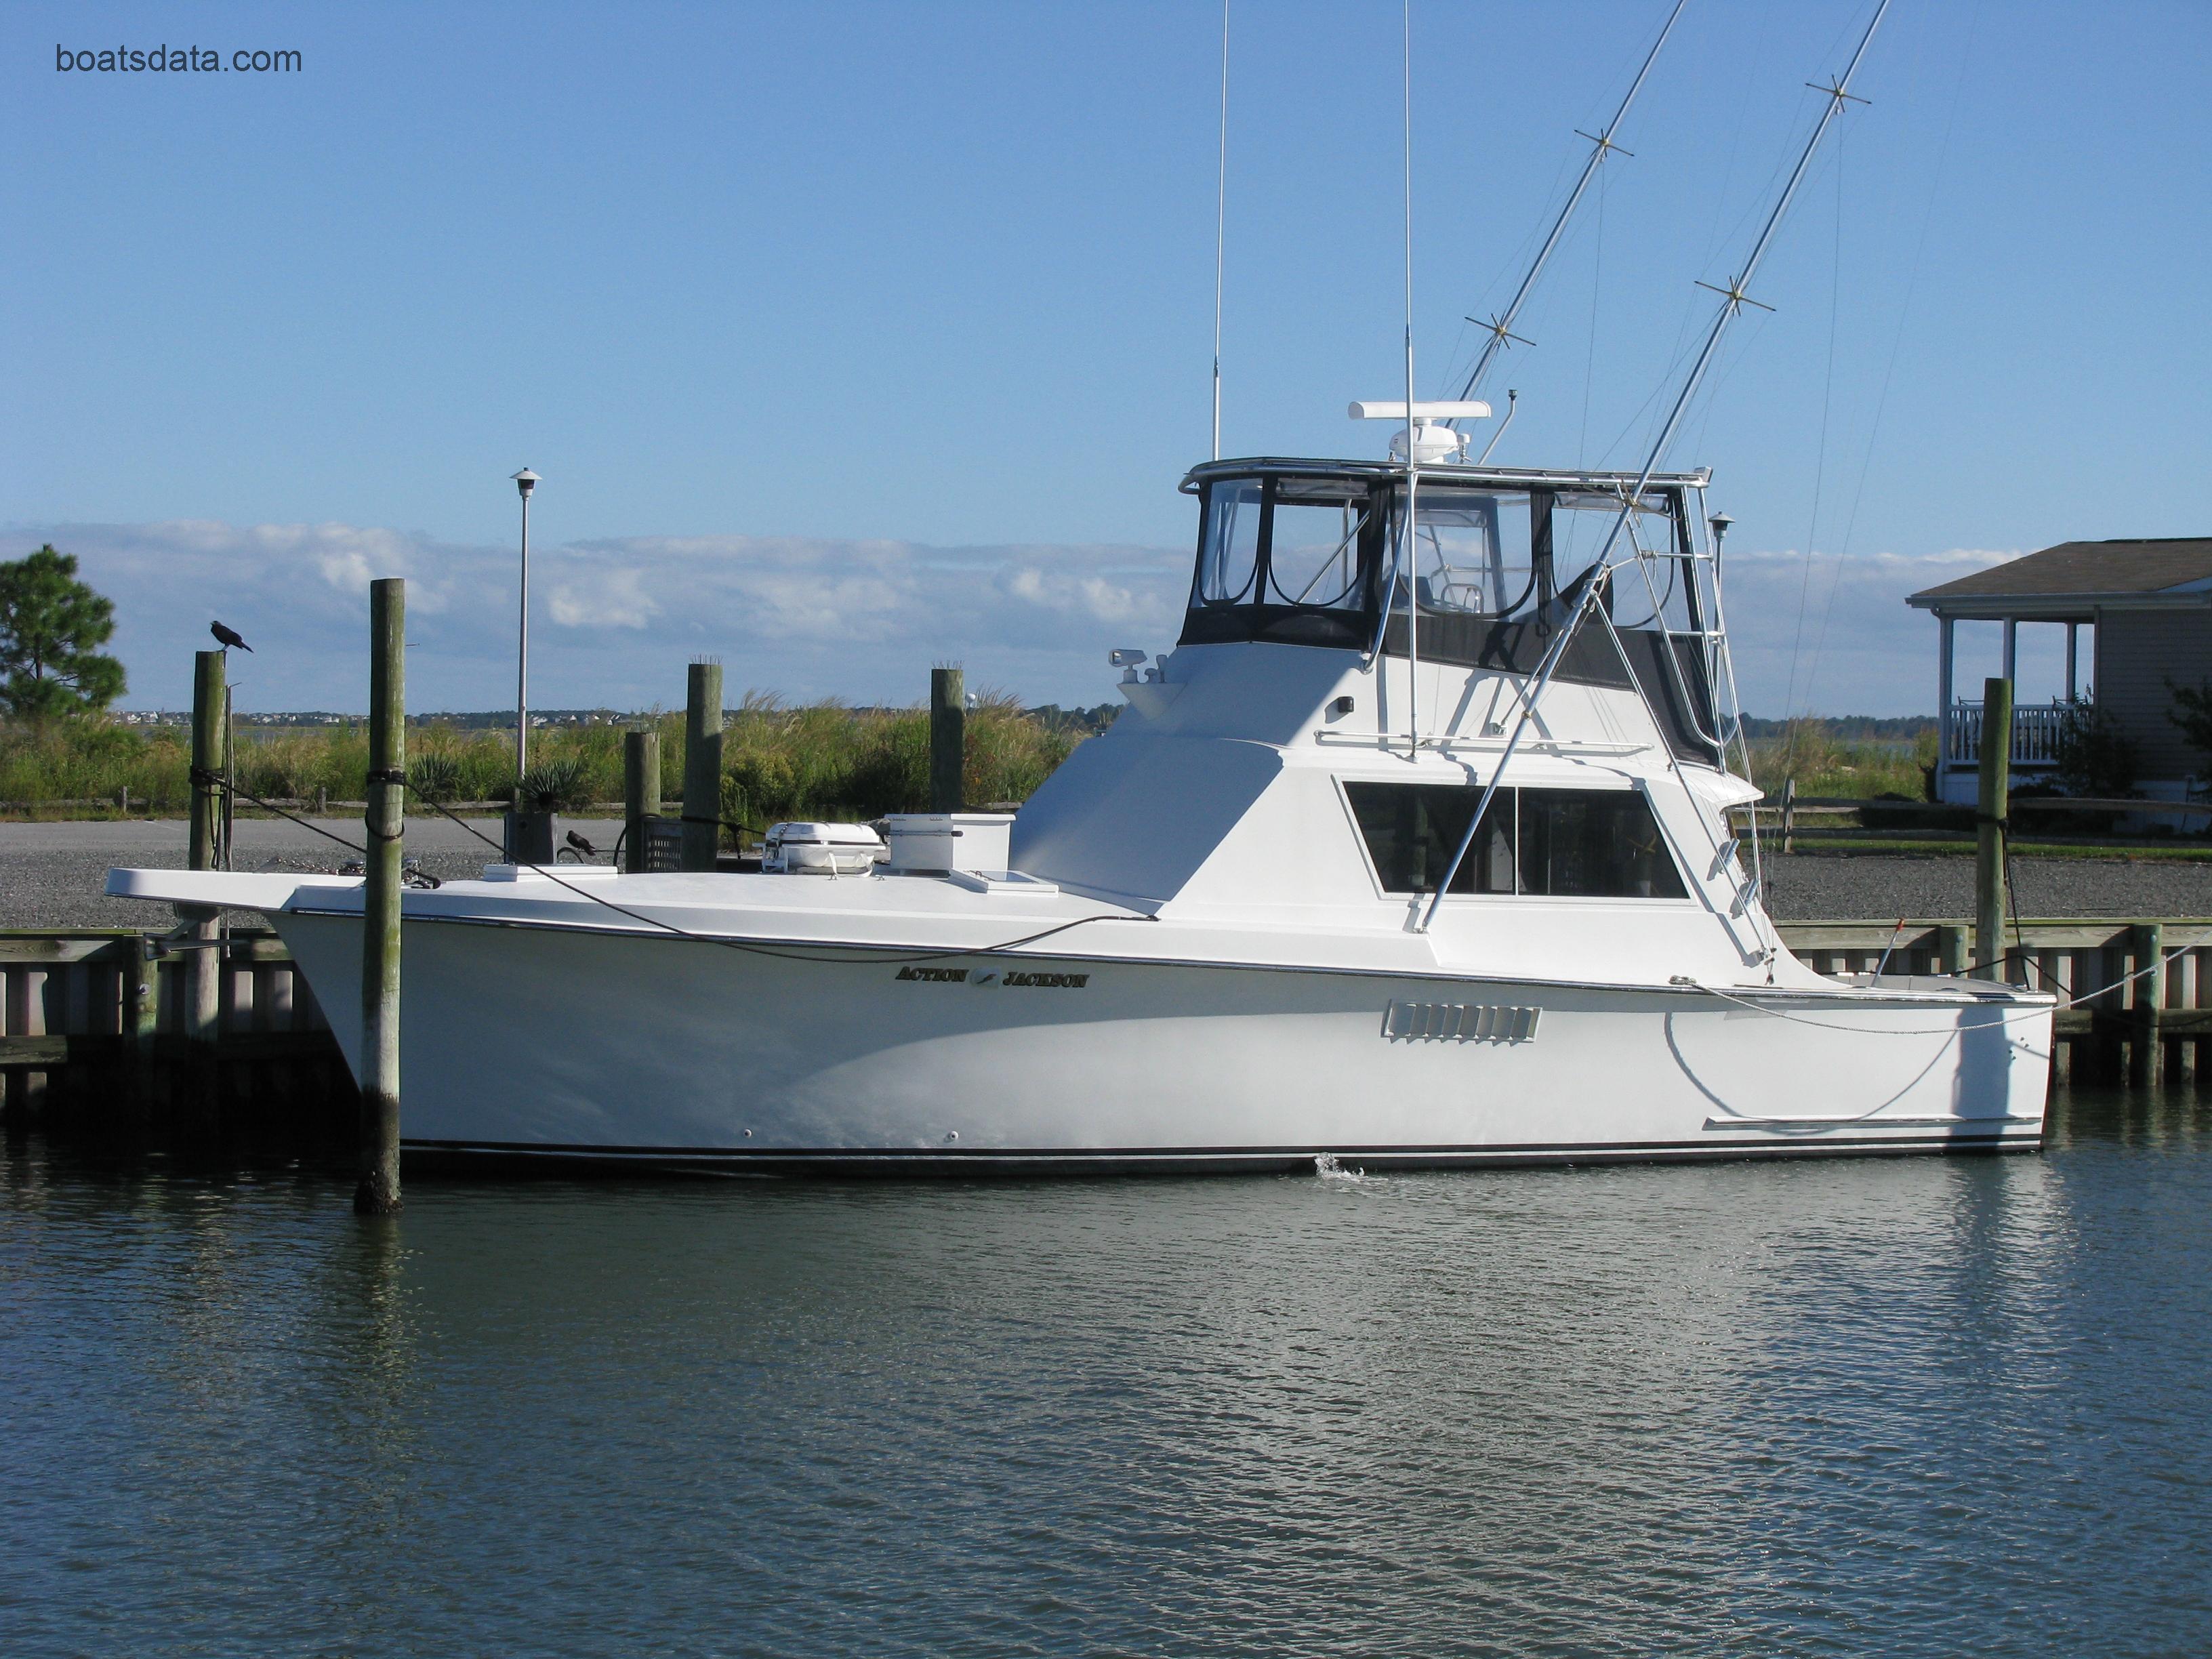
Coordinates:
<point>529,837</point>
<point>932,843</point>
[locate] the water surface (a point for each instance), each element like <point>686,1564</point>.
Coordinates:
<point>1908,1407</point>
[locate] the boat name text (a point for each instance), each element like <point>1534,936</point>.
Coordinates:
<point>1013,981</point>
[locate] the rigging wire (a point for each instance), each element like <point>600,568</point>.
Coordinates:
<point>1820,450</point>
<point>1589,359</point>
<point>1734,298</point>
<point>1601,145</point>
<point>1897,340</point>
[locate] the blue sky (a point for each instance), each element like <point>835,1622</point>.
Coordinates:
<point>849,339</point>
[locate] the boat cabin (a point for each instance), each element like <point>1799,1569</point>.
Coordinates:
<point>1340,701</point>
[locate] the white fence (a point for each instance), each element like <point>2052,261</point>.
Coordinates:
<point>2035,730</point>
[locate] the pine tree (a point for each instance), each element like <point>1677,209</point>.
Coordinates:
<point>52,626</point>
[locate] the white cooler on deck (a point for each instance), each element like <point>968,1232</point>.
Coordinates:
<point>934,842</point>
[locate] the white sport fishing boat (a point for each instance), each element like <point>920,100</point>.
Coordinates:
<point>1415,850</point>
<point>1213,939</point>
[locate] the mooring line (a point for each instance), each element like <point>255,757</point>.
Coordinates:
<point>216,780</point>
<point>2167,957</point>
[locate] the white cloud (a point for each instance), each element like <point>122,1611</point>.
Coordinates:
<point>614,599</point>
<point>862,620</point>
<point>1837,637</point>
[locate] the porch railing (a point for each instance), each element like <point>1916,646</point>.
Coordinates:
<point>2035,731</point>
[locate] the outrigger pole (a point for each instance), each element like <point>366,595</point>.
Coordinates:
<point>1501,326</point>
<point>1732,300</point>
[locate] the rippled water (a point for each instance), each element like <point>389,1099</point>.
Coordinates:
<point>1910,1407</point>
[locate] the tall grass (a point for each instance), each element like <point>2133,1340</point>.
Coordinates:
<point>820,760</point>
<point>1850,769</point>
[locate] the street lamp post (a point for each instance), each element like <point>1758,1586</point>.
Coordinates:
<point>525,481</point>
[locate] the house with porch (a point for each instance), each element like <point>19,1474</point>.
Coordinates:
<point>2138,621</point>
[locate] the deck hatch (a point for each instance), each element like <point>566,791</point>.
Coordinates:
<point>1459,1022</point>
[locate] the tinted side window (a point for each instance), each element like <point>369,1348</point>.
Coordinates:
<point>1594,843</point>
<point>1412,830</point>
<point>1582,843</point>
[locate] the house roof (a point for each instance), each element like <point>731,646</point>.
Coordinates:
<point>2086,571</point>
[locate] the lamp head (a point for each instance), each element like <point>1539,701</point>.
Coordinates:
<point>525,480</point>
<point>1720,523</point>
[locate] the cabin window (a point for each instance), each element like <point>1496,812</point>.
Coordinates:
<point>1412,830</point>
<point>1289,560</point>
<point>1229,561</point>
<point>1582,524</point>
<point>1314,536</point>
<point>1474,553</point>
<point>1594,843</point>
<point>1575,843</point>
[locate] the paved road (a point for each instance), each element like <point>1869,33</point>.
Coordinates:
<point>50,874</point>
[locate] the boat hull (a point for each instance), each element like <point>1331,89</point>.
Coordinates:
<point>566,1045</point>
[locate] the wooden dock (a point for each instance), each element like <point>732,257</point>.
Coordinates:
<point>106,1011</point>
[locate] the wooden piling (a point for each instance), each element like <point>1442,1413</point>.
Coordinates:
<point>1951,950</point>
<point>386,821</point>
<point>203,966</point>
<point>640,796</point>
<point>702,766</point>
<point>139,989</point>
<point>1989,827</point>
<point>2147,1051</point>
<point>948,739</point>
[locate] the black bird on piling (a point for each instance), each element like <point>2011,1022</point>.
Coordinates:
<point>227,637</point>
<point>582,845</point>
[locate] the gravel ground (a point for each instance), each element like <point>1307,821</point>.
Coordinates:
<point>50,874</point>
<point>1878,886</point>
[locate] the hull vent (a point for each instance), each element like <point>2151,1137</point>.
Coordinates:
<point>1459,1022</point>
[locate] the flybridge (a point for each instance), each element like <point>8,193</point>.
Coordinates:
<point>1313,553</point>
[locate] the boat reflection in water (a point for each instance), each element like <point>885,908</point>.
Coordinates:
<point>1932,1403</point>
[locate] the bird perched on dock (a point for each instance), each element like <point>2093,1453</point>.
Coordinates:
<point>582,845</point>
<point>227,637</point>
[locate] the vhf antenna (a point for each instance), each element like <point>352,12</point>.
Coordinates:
<point>1732,300</point>
<point>1501,326</point>
<point>1220,226</point>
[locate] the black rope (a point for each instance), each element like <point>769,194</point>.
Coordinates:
<point>722,823</point>
<point>785,955</point>
<point>216,780</point>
